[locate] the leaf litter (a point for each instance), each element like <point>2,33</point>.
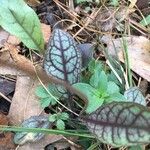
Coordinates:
<point>138,47</point>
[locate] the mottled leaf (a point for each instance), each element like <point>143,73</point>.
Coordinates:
<point>32,122</point>
<point>134,95</point>
<point>63,59</point>
<point>120,123</point>
<point>20,20</point>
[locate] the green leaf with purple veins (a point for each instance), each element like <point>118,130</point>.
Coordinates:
<point>33,122</point>
<point>120,124</point>
<point>134,94</point>
<point>63,59</point>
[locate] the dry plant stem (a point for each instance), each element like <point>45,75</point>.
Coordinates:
<point>6,98</point>
<point>22,63</point>
<point>89,20</point>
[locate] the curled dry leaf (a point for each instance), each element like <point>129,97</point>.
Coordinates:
<point>138,51</point>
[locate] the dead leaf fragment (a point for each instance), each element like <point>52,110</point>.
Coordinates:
<point>6,139</point>
<point>138,51</point>
<point>40,145</point>
<point>46,30</point>
<point>24,103</point>
<point>3,37</point>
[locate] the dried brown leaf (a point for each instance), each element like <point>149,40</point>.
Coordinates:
<point>6,138</point>
<point>138,51</point>
<point>24,103</point>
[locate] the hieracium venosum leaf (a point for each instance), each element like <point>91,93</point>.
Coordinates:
<point>63,59</point>
<point>120,123</point>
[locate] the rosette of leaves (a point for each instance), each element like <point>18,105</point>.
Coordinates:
<point>62,58</point>
<point>33,122</point>
<point>99,90</point>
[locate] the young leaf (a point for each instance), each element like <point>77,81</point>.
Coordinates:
<point>120,124</point>
<point>41,92</point>
<point>94,101</point>
<point>45,102</point>
<point>95,65</point>
<point>63,59</point>
<point>60,124</point>
<point>20,20</point>
<point>134,95</point>
<point>52,118</point>
<point>99,80</point>
<point>64,116</point>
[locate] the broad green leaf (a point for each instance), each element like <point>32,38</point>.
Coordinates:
<point>94,101</point>
<point>20,20</point>
<point>134,95</point>
<point>120,123</point>
<point>112,88</point>
<point>60,124</point>
<point>33,122</point>
<point>115,97</point>
<point>63,59</point>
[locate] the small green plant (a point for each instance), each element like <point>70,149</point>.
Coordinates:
<point>45,98</point>
<point>99,90</point>
<point>59,119</point>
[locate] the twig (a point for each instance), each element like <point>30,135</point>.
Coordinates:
<point>6,98</point>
